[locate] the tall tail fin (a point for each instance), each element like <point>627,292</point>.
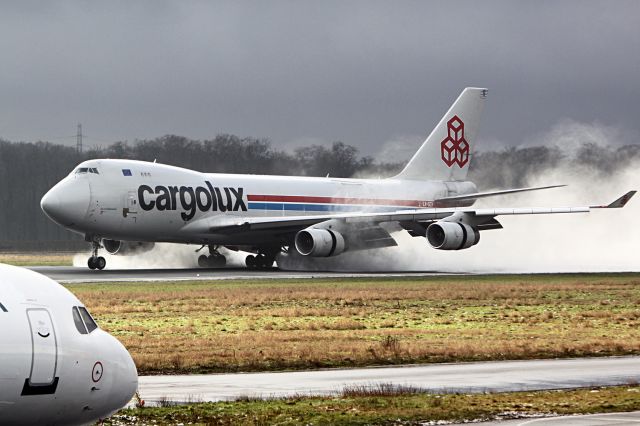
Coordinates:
<point>446,153</point>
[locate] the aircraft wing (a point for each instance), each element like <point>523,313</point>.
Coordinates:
<point>475,216</point>
<point>477,195</point>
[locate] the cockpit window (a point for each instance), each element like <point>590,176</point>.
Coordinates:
<point>2,308</point>
<point>77,320</point>
<point>83,170</point>
<point>88,321</point>
<point>83,321</point>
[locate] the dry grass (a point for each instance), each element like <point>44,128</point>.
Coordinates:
<point>380,390</point>
<point>37,259</point>
<point>265,325</point>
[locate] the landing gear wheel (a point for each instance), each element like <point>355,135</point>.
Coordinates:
<point>218,261</point>
<point>96,262</point>
<point>263,261</point>
<point>260,261</point>
<point>215,260</point>
<point>100,263</point>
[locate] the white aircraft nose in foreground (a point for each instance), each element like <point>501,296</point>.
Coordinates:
<point>126,205</point>
<point>57,367</point>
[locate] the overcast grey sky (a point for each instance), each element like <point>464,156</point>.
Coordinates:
<point>298,72</point>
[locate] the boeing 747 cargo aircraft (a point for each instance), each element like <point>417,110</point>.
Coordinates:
<point>57,367</point>
<point>125,205</point>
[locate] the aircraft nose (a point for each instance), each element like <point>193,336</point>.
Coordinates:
<point>116,376</point>
<point>126,384</point>
<point>50,202</point>
<point>67,202</point>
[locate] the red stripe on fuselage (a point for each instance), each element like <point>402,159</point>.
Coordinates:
<point>339,200</point>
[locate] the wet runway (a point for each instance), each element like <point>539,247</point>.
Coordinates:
<point>608,419</point>
<point>495,376</point>
<point>70,274</point>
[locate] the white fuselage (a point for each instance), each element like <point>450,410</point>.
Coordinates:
<point>142,201</point>
<point>51,373</point>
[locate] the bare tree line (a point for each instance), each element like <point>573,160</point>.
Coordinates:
<point>28,170</point>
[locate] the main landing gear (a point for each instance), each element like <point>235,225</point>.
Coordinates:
<point>214,260</point>
<point>95,261</point>
<point>263,260</point>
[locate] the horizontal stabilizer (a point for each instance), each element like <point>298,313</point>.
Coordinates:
<point>619,203</point>
<point>494,193</point>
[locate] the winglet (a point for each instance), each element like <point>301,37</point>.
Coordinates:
<point>619,203</point>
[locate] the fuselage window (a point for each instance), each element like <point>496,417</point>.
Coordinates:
<point>77,320</point>
<point>2,308</point>
<point>89,322</point>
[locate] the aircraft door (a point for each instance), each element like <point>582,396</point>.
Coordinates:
<point>130,209</point>
<point>45,348</point>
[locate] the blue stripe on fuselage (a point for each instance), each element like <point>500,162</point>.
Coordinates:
<point>316,207</point>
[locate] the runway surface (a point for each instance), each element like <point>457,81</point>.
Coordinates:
<point>608,419</point>
<point>497,376</point>
<point>69,274</point>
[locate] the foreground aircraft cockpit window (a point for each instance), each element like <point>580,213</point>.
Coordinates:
<point>77,320</point>
<point>2,308</point>
<point>88,320</point>
<point>83,320</point>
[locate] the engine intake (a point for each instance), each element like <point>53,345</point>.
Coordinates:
<point>452,235</point>
<point>319,242</point>
<point>126,247</point>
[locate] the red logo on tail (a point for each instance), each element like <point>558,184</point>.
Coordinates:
<point>454,147</point>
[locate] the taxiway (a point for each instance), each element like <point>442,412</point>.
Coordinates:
<point>495,376</point>
<point>604,419</point>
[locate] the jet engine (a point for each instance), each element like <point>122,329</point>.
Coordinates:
<point>126,247</point>
<point>319,242</point>
<point>452,235</point>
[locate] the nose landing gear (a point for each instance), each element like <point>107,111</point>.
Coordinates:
<point>95,261</point>
<point>214,260</point>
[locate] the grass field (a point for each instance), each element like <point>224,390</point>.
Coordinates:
<point>37,259</point>
<point>385,408</point>
<point>294,324</point>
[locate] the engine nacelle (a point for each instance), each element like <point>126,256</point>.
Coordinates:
<point>452,235</point>
<point>126,247</point>
<point>319,242</point>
